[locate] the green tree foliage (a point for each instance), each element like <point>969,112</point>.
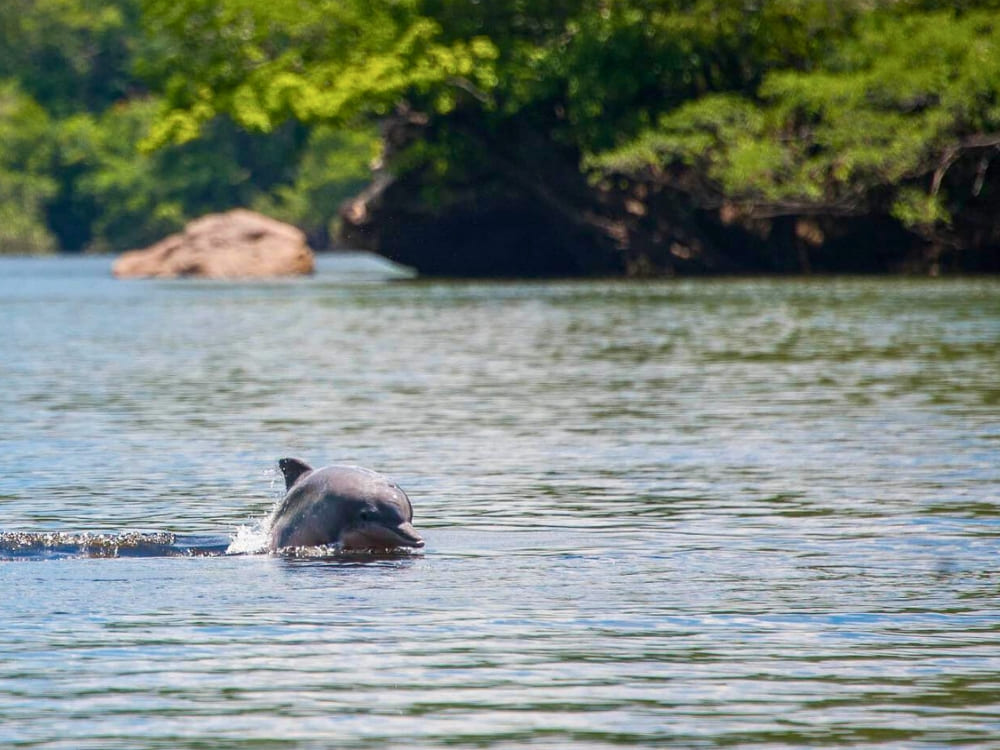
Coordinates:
<point>613,67</point>
<point>70,55</point>
<point>335,165</point>
<point>123,118</point>
<point>25,185</point>
<point>587,74</point>
<point>127,198</point>
<point>885,111</point>
<point>76,104</point>
<point>262,63</point>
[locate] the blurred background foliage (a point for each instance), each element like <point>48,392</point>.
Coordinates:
<point>82,86</point>
<point>122,119</point>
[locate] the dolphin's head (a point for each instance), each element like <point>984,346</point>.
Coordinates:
<point>349,506</point>
<point>384,522</point>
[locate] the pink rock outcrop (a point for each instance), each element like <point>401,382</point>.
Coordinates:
<point>238,244</point>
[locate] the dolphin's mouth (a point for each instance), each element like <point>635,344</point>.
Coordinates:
<point>408,535</point>
<point>375,536</point>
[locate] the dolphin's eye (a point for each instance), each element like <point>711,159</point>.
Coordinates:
<point>367,515</point>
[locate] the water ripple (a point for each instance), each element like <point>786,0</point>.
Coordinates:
<point>681,514</point>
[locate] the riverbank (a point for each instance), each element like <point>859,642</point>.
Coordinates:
<point>526,209</point>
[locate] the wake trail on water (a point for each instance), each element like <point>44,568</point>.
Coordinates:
<point>48,545</point>
<point>250,539</point>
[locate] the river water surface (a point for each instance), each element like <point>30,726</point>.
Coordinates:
<point>692,513</point>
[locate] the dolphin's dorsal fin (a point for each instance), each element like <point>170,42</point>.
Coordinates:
<point>292,468</point>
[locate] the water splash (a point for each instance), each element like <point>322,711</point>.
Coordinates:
<point>252,539</point>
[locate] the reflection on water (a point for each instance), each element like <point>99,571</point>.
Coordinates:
<point>685,514</point>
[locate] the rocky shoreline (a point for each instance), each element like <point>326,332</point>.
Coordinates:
<point>526,209</point>
<point>643,230</point>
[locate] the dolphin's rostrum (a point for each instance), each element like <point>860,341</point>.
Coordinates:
<point>346,506</point>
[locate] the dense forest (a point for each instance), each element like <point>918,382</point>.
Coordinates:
<point>515,137</point>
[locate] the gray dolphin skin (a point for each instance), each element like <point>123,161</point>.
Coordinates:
<point>348,506</point>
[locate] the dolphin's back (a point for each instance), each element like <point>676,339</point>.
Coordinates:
<point>354,482</point>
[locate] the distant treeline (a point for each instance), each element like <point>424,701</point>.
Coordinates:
<point>515,136</point>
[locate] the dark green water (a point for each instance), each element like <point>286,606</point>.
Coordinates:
<point>685,514</point>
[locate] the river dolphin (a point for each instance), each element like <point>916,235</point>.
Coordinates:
<point>347,506</point>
